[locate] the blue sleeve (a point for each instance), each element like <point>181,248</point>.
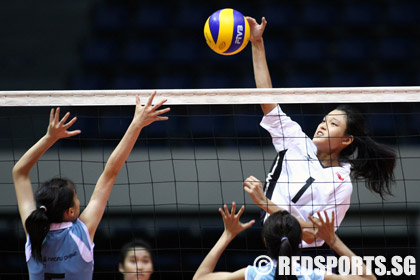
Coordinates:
<point>309,274</point>
<point>250,273</point>
<point>81,231</point>
<point>81,237</point>
<point>266,272</point>
<point>317,275</point>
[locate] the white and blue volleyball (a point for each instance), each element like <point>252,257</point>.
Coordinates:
<point>227,31</point>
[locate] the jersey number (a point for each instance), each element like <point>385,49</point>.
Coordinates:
<point>303,189</point>
<point>51,276</point>
<point>274,175</point>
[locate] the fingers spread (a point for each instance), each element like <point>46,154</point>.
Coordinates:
<point>150,101</point>
<point>160,103</point>
<point>226,210</point>
<point>249,224</point>
<point>314,221</point>
<point>57,114</point>
<point>222,213</point>
<point>233,209</point>
<point>51,115</point>
<point>240,212</point>
<point>160,112</point>
<point>64,119</point>
<point>74,132</point>
<point>327,219</point>
<point>162,119</point>
<point>70,123</point>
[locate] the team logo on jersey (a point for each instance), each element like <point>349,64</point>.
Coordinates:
<point>339,176</point>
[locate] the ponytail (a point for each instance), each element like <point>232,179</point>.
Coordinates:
<point>53,198</point>
<point>37,225</point>
<point>285,250</point>
<point>374,162</point>
<point>282,235</point>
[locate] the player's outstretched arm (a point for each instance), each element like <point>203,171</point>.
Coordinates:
<point>325,231</point>
<point>253,187</point>
<point>57,129</point>
<point>259,61</point>
<point>232,228</point>
<point>144,115</point>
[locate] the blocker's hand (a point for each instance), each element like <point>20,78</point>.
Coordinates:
<point>325,228</point>
<point>57,128</point>
<point>231,220</point>
<point>149,113</point>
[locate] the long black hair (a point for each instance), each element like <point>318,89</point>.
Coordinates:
<point>52,199</point>
<point>282,235</point>
<point>373,161</point>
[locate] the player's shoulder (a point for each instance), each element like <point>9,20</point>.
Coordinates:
<point>266,272</point>
<point>81,230</point>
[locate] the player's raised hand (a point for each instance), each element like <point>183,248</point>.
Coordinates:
<point>257,30</point>
<point>325,228</point>
<point>231,220</point>
<point>149,113</point>
<point>57,128</point>
<point>254,188</point>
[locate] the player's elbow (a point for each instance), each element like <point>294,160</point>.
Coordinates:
<point>197,276</point>
<point>15,171</point>
<point>18,172</point>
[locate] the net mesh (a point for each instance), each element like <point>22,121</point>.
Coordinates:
<point>182,170</point>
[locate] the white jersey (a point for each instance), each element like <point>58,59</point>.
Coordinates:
<point>298,182</point>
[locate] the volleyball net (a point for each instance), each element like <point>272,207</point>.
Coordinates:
<point>182,170</point>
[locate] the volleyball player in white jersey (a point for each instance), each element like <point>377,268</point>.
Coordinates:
<point>311,175</point>
<point>59,237</point>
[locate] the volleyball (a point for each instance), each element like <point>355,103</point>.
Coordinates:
<point>227,31</point>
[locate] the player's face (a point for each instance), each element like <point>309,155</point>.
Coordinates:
<point>330,135</point>
<point>137,265</point>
